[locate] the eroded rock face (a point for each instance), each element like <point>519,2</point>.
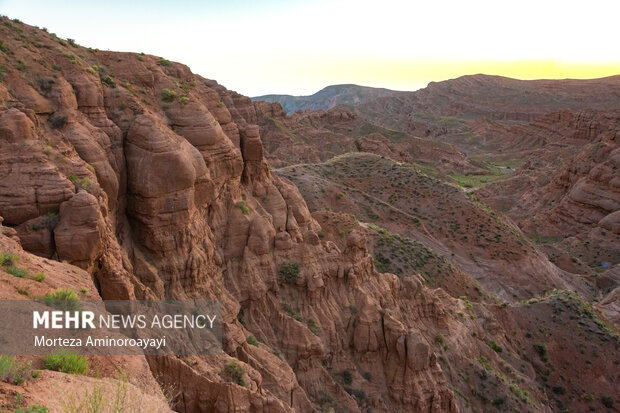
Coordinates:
<point>77,236</point>
<point>579,202</point>
<point>177,201</point>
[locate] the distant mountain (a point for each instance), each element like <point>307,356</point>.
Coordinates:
<point>329,97</point>
<point>494,97</point>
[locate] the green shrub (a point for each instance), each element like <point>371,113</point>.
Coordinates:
<point>13,372</point>
<point>8,259</point>
<point>50,220</point>
<point>56,67</point>
<point>168,95</point>
<point>109,81</point>
<point>72,42</point>
<point>85,183</point>
<point>57,121</point>
<point>220,104</point>
<point>7,367</point>
<point>39,277</point>
<point>63,298</point>
<point>313,327</point>
<point>347,376</point>
<point>292,312</point>
<point>36,374</point>
<point>558,389</point>
<point>252,340</point>
<point>541,349</point>
<point>64,362</point>
<point>245,209</point>
<point>235,371</point>
<point>498,402</point>
<point>289,270</point>
<point>607,401</point>
<point>184,99</point>
<point>17,272</point>
<point>165,62</point>
<point>494,346</point>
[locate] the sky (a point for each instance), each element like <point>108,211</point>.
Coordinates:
<point>298,47</point>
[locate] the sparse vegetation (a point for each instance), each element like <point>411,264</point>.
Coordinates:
<point>63,298</point>
<point>558,390</point>
<point>292,312</point>
<point>168,95</point>
<point>607,401</point>
<point>57,121</point>
<point>109,81</point>
<point>289,271</point>
<point>7,366</point>
<point>9,261</point>
<point>245,209</point>
<point>235,372</point>
<point>17,272</point>
<point>313,327</point>
<point>497,348</point>
<point>252,340</point>
<point>347,377</point>
<point>541,349</point>
<point>498,402</point>
<point>165,62</point>
<point>35,408</point>
<point>61,360</point>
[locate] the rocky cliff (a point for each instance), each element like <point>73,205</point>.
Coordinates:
<point>150,179</point>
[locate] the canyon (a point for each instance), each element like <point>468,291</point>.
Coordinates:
<point>453,249</point>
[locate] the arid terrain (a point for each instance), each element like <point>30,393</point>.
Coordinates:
<point>453,249</point>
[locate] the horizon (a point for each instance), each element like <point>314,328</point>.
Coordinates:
<point>297,48</point>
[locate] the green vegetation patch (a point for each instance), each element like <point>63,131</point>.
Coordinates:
<point>289,271</point>
<point>468,180</point>
<point>245,209</point>
<point>64,362</point>
<point>65,299</point>
<point>235,372</point>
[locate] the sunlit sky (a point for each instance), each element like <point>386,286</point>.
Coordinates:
<point>299,47</point>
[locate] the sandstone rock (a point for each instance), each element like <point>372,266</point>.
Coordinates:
<point>78,234</point>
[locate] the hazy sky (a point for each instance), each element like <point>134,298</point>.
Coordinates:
<point>298,47</point>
